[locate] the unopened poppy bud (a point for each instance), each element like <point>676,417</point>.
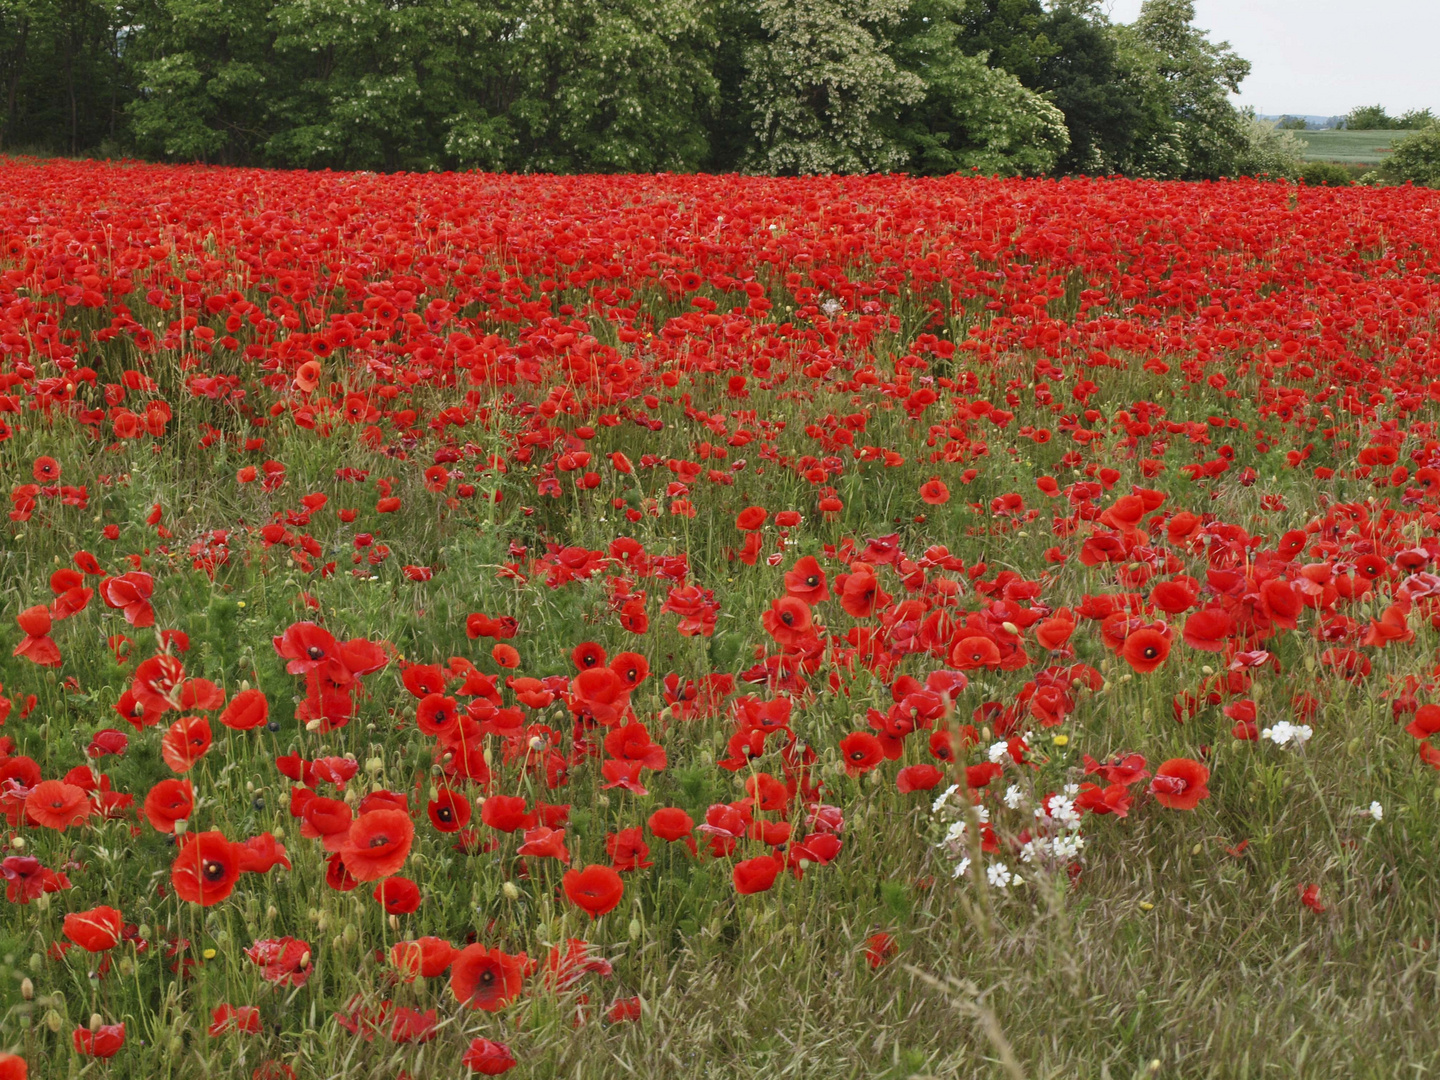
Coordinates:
<point>127,967</point>
<point>305,960</point>
<point>96,1021</point>
<point>489,756</point>
<point>374,765</point>
<point>271,913</point>
<point>54,1021</point>
<point>1197,849</point>
<point>510,891</point>
<point>604,801</point>
<point>1010,628</point>
<point>279,832</point>
<point>37,961</point>
<point>314,725</point>
<point>27,989</point>
<point>350,934</point>
<point>634,929</point>
<point>17,842</point>
<point>394,921</point>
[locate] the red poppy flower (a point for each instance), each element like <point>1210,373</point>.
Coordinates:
<point>861,752</point>
<point>57,805</point>
<point>806,581</point>
<point>595,889</point>
<point>167,802</point>
<point>104,1042</point>
<point>424,958</point>
<point>13,1067</point>
<point>235,1019</point>
<point>187,741</point>
<point>1208,630</point>
<point>1146,649</point>
<point>247,711</point>
<point>130,593</point>
<point>506,813</point>
<point>400,896</point>
<point>507,656</point>
<point>934,492</point>
<point>488,1058</point>
<point>46,470</point>
<point>283,961</point>
<point>449,811</point>
<point>587,655</point>
<point>1180,784</point>
<point>918,778</point>
<point>671,823</point>
<point>488,979</point>
<point>95,930</point>
<point>751,518</point>
<point>756,875</point>
<point>206,869</point>
<point>378,844</point>
<point>879,948</point>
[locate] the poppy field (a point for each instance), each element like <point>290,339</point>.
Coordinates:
<point>464,624</point>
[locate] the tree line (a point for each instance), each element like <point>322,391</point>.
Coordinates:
<point>1016,87</point>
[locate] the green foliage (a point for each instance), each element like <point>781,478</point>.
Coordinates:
<point>1368,118</point>
<point>972,116</point>
<point>820,84</point>
<point>1292,123</point>
<point>1015,87</point>
<point>1413,160</point>
<point>1331,173</point>
<point>1270,150</point>
<point>1181,70</point>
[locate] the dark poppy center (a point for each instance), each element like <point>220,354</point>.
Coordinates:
<point>315,652</point>
<point>445,814</point>
<point>487,977</point>
<point>379,841</point>
<point>812,581</point>
<point>213,871</point>
<point>1150,652</point>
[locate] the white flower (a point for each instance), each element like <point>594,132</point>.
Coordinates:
<point>1031,848</point>
<point>999,751</point>
<point>1284,733</point>
<point>1069,846</point>
<point>1063,813</point>
<point>955,834</point>
<point>961,866</point>
<point>982,814</point>
<point>943,798</point>
<point>1013,796</point>
<point>1071,790</point>
<point>1376,811</point>
<point>999,875</point>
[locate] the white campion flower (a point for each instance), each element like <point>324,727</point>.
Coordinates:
<point>1068,846</point>
<point>1013,796</point>
<point>961,867</point>
<point>999,875</point>
<point>1284,733</point>
<point>943,798</point>
<point>1376,811</point>
<point>999,751</point>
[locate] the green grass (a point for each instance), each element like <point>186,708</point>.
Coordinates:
<point>1352,147</point>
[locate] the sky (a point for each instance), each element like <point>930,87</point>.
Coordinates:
<point>1325,57</point>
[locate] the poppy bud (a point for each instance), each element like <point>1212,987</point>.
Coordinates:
<point>634,929</point>
<point>27,989</point>
<point>17,842</point>
<point>54,1021</point>
<point>510,891</point>
<point>96,1021</point>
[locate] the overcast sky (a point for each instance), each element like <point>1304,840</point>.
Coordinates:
<point>1325,57</point>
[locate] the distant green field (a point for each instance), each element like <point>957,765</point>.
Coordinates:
<point>1352,147</point>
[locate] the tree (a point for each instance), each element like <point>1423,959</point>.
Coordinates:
<point>1293,123</point>
<point>1415,119</point>
<point>1414,159</point>
<point>820,87</point>
<point>1368,118</point>
<point>1270,150</point>
<point>972,116</point>
<point>1190,78</point>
